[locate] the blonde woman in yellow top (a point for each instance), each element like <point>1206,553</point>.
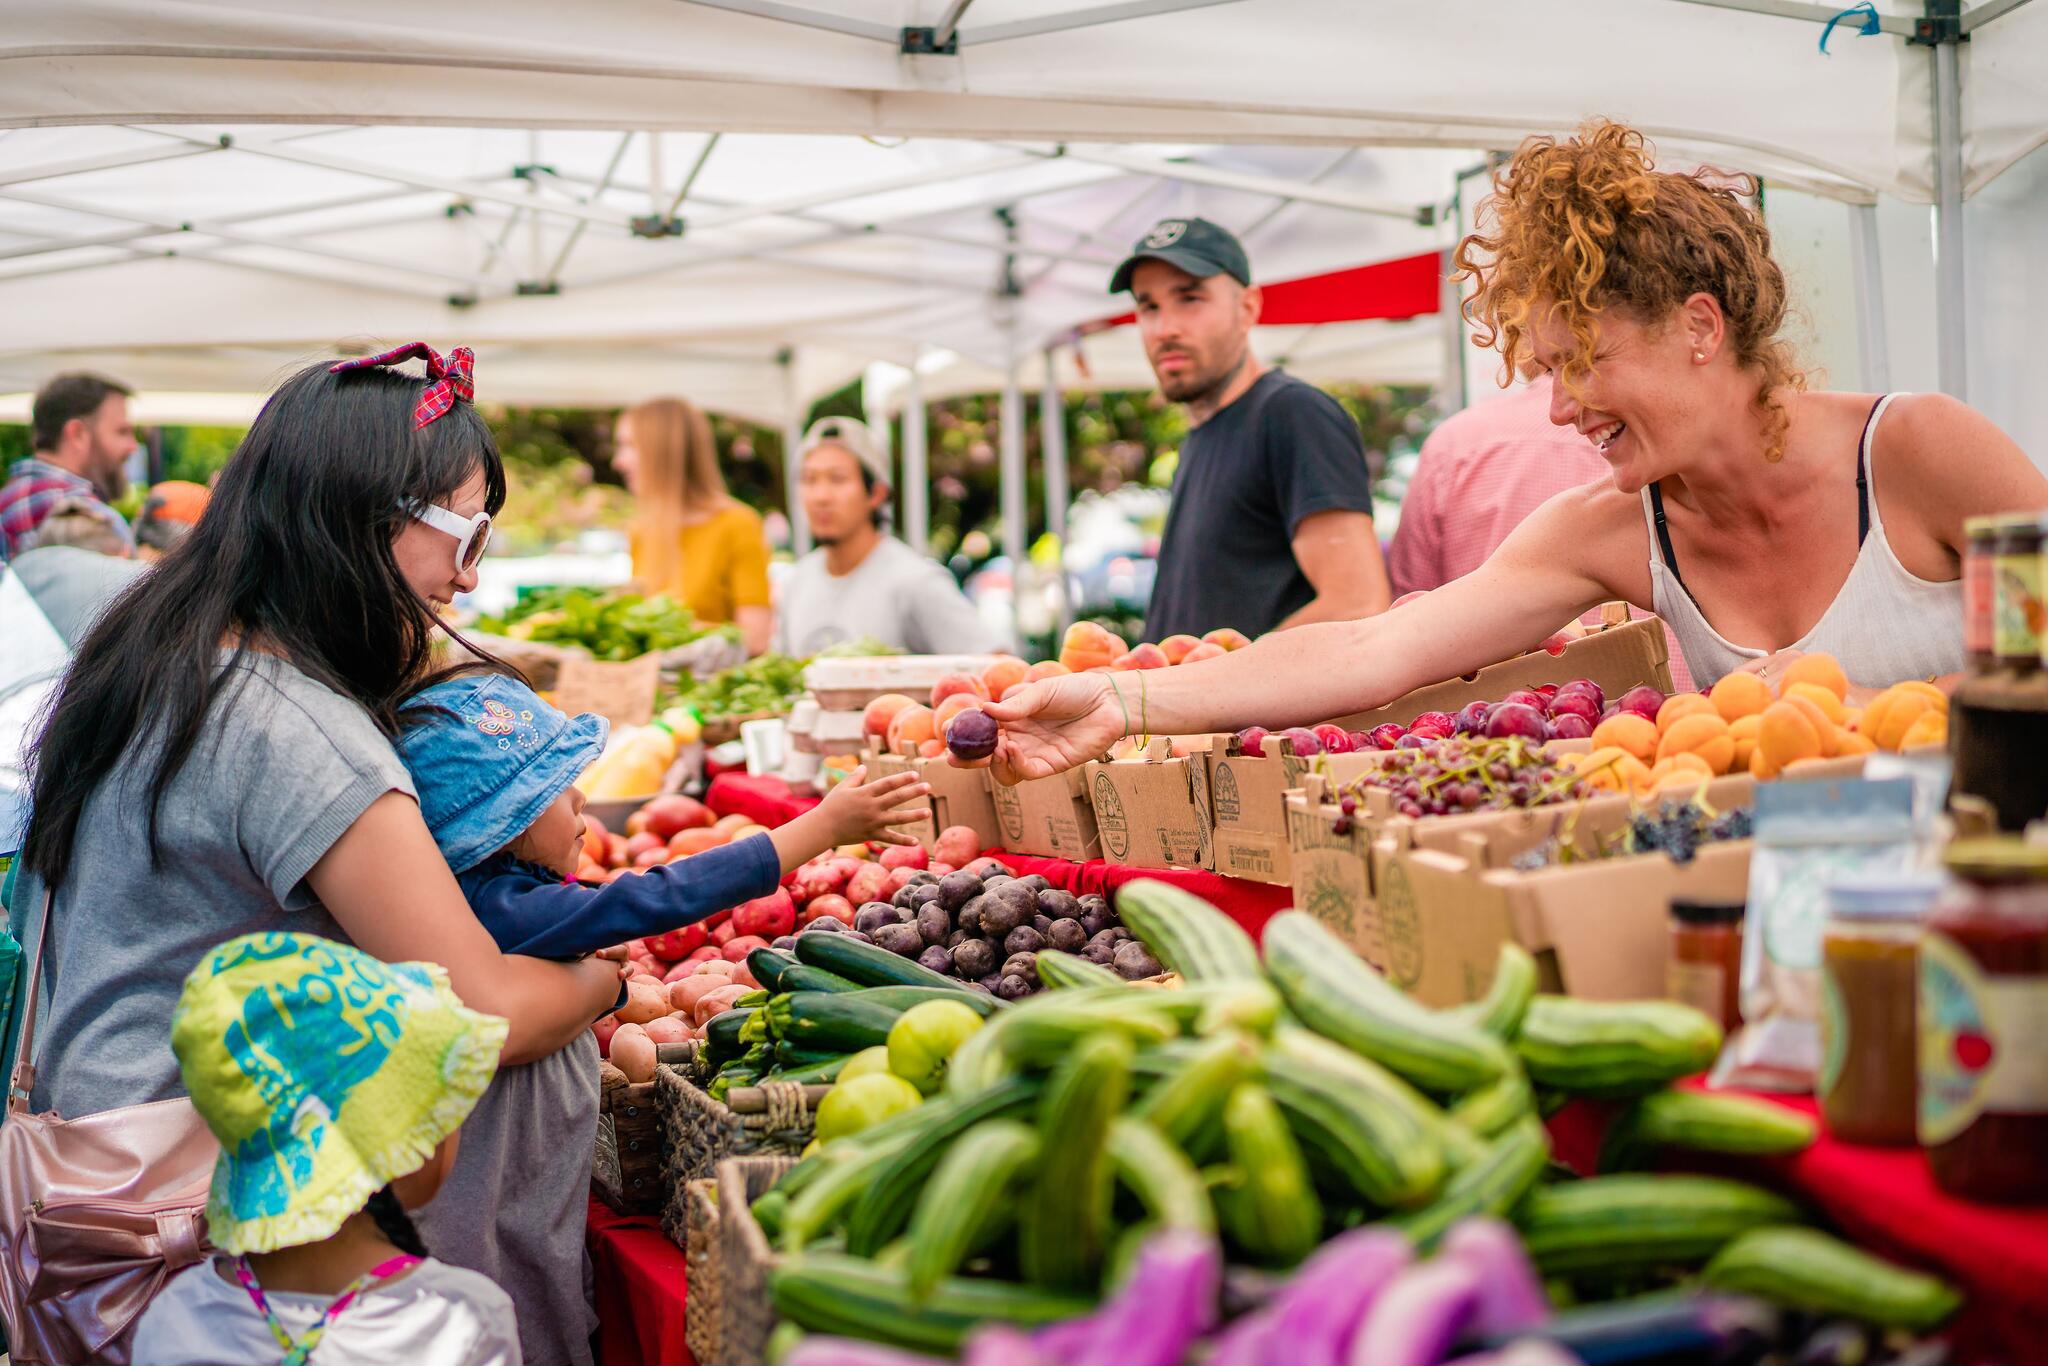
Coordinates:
<point>691,539</point>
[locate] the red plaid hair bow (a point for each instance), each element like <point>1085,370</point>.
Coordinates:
<point>448,377</point>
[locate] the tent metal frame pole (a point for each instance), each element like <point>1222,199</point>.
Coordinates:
<point>126,235</point>
<point>551,281</point>
<point>690,178</point>
<point>1805,10</point>
<point>1452,395</point>
<point>917,512</point>
<point>792,456</point>
<point>1192,173</point>
<point>1052,452</point>
<point>1873,340</point>
<point>774,208</point>
<point>1082,18</point>
<point>1012,483</point>
<point>111,161</point>
<point>1951,333</point>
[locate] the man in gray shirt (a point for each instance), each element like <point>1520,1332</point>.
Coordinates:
<point>861,581</point>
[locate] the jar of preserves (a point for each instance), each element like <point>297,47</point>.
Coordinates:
<point>1705,967</point>
<point>1870,963</point>
<point>1983,1023</point>
<point>2017,609</point>
<point>1979,576</point>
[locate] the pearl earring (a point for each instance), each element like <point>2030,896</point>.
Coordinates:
<point>1699,357</point>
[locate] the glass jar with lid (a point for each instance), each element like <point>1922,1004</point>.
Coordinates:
<point>1870,954</point>
<point>1704,970</point>
<point>1983,1024</point>
<point>2017,607</point>
<point>1980,535</point>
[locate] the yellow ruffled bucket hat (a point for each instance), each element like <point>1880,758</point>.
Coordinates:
<point>325,1074</point>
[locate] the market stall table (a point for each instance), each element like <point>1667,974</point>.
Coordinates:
<point>640,1289</point>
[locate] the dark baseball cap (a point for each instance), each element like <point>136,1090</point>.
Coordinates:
<point>1195,245</point>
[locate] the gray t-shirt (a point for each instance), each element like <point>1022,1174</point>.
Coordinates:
<point>895,595</point>
<point>282,767</point>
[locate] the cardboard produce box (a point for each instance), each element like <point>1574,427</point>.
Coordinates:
<point>1049,817</point>
<point>1599,930</point>
<point>959,796</point>
<point>1152,808</point>
<point>1248,809</point>
<point>1618,657</point>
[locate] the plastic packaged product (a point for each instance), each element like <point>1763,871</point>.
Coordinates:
<point>1983,1022</point>
<point>1870,964</point>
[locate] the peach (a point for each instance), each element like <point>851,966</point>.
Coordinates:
<point>1176,647</point>
<point>1088,645</point>
<point>1149,656</point>
<point>1124,662</point>
<point>912,725</point>
<point>1005,673</point>
<point>943,714</point>
<point>954,684</point>
<point>1050,668</point>
<point>880,712</point>
<point>930,749</point>
<point>1228,637</point>
<point>1206,650</point>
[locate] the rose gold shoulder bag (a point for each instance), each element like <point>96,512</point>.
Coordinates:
<point>96,1214</point>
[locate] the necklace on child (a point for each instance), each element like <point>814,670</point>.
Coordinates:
<point>297,1350</point>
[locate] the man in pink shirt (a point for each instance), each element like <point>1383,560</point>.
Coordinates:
<point>1481,472</point>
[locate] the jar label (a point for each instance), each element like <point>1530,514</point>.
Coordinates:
<point>1703,986</point>
<point>1983,1041</point>
<point>2017,609</point>
<point>1834,1035</point>
<point>1978,635</point>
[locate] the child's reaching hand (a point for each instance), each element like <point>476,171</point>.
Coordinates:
<point>855,811</point>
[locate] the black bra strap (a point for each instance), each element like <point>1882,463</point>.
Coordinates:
<point>1863,475</point>
<point>1664,533</point>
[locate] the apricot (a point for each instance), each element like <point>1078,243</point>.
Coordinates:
<point>930,749</point>
<point>1760,765</point>
<point>1627,731</point>
<point>1786,735</point>
<point>1829,704</point>
<point>1740,695</point>
<point>1149,656</point>
<point>1176,648</point>
<point>1679,770</point>
<point>1683,704</point>
<point>1823,728</point>
<point>1930,729</point>
<point>1050,668</point>
<point>880,712</point>
<point>1088,645</point>
<point>1818,669</point>
<point>943,714</point>
<point>1853,742</point>
<point>951,684</point>
<point>1004,674</point>
<point>1743,731</point>
<point>1206,650</point>
<point>1895,710</point>
<point>912,725</point>
<point>1704,735</point>
<point>1228,638</point>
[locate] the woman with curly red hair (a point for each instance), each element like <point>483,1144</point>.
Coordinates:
<point>1759,517</point>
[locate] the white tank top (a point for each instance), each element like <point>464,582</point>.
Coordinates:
<point>1886,625</point>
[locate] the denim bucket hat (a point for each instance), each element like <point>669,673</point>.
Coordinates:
<point>486,757</point>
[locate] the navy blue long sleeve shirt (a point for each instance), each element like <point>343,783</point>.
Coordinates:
<point>529,910</point>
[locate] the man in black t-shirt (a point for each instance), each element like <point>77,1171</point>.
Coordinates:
<point>1271,520</point>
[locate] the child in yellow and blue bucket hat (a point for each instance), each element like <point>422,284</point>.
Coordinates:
<point>336,1084</point>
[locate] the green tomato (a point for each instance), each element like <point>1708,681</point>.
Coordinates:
<point>924,1037</point>
<point>865,1063</point>
<point>855,1105</point>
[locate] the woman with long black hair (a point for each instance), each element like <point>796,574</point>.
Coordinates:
<point>218,761</point>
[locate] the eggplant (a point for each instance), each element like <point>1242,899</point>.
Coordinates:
<point>1318,1311</point>
<point>1666,1325</point>
<point>1511,1294</point>
<point>1163,1308</point>
<point>1416,1318</point>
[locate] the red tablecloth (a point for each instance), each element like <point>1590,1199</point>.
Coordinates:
<point>1884,1199</point>
<point>764,800</point>
<point>640,1285</point>
<point>1250,904</point>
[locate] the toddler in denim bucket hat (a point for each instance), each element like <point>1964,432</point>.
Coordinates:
<point>495,768</point>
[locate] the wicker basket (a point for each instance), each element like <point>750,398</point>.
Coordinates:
<point>699,1132</point>
<point>626,1168</point>
<point>702,1263</point>
<point>746,1315</point>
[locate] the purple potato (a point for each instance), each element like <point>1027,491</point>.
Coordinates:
<point>923,895</point>
<point>990,981</point>
<point>1058,904</point>
<point>956,889</point>
<point>826,924</point>
<point>1041,922</point>
<point>1023,939</point>
<point>978,986</point>
<point>972,734</point>
<point>1109,938</point>
<point>923,877</point>
<point>1133,961</point>
<point>974,958</point>
<point>901,898</point>
<point>900,938</point>
<point>1101,955</point>
<point>1036,882</point>
<point>1067,936</point>
<point>784,943</point>
<point>873,915</point>
<point>1013,988</point>
<point>954,940</point>
<point>1023,965</point>
<point>1000,915</point>
<point>937,958</point>
<point>970,914</point>
<point>1095,921</point>
<point>934,924</point>
<point>851,933</point>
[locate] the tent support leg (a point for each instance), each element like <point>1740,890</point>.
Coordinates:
<point>1872,339</point>
<point>792,454</point>
<point>1052,447</point>
<point>1951,335</point>
<point>1451,394</point>
<point>1012,486</point>
<point>917,516</point>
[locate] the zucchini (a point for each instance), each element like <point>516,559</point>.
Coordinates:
<point>1499,1012</point>
<point>1064,1226</point>
<point>1058,970</point>
<point>970,1192</point>
<point>804,977</point>
<point>846,1021</point>
<point>821,1072</point>
<point>1494,1107</point>
<point>903,998</point>
<point>820,1204</point>
<point>1702,1121</point>
<point>850,1297</point>
<point>1332,991</point>
<point>1270,1207</point>
<point>1804,1268</point>
<point>1492,1185</point>
<point>1188,934</point>
<point>866,964</point>
<point>768,965</point>
<point>1610,1048</point>
<point>722,1036</point>
<point>885,1206</point>
<point>1366,1124</point>
<point>1147,1164</point>
<point>1635,1223</point>
<point>1188,1101</point>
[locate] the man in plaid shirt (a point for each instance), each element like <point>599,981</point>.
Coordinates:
<point>83,438</point>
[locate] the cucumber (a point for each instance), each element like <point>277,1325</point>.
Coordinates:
<point>821,1203</point>
<point>1608,1048</point>
<point>1494,1107</point>
<point>1702,1122</point>
<point>1332,991</point>
<point>1492,1185</point>
<point>970,1191</point>
<point>1366,1124</point>
<point>866,964</point>
<point>1188,1101</point>
<point>1804,1268</point>
<point>978,1064</point>
<point>1271,1207</point>
<point>850,1297</point>
<point>1146,1163</point>
<point>1608,1224</point>
<point>1064,1227</point>
<point>1058,970</point>
<point>1188,934</point>
<point>1048,1028</point>
<point>903,998</point>
<point>1499,1012</point>
<point>885,1206</point>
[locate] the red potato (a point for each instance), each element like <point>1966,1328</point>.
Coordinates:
<point>708,954</point>
<point>869,884</point>
<point>604,1029</point>
<point>985,866</point>
<point>745,975</point>
<point>715,967</point>
<point>645,1000</point>
<point>738,949</point>
<point>899,878</point>
<point>680,942</point>
<point>768,917</point>
<point>679,972</point>
<point>838,907</point>
<point>615,851</point>
<point>957,845</point>
<point>669,816</point>
<point>632,1052</point>
<point>721,935</point>
<point>938,868</point>
<point>685,994</point>
<point>670,1029</point>
<point>716,1002</point>
<point>910,856</point>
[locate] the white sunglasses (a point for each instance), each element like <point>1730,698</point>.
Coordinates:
<point>472,534</point>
